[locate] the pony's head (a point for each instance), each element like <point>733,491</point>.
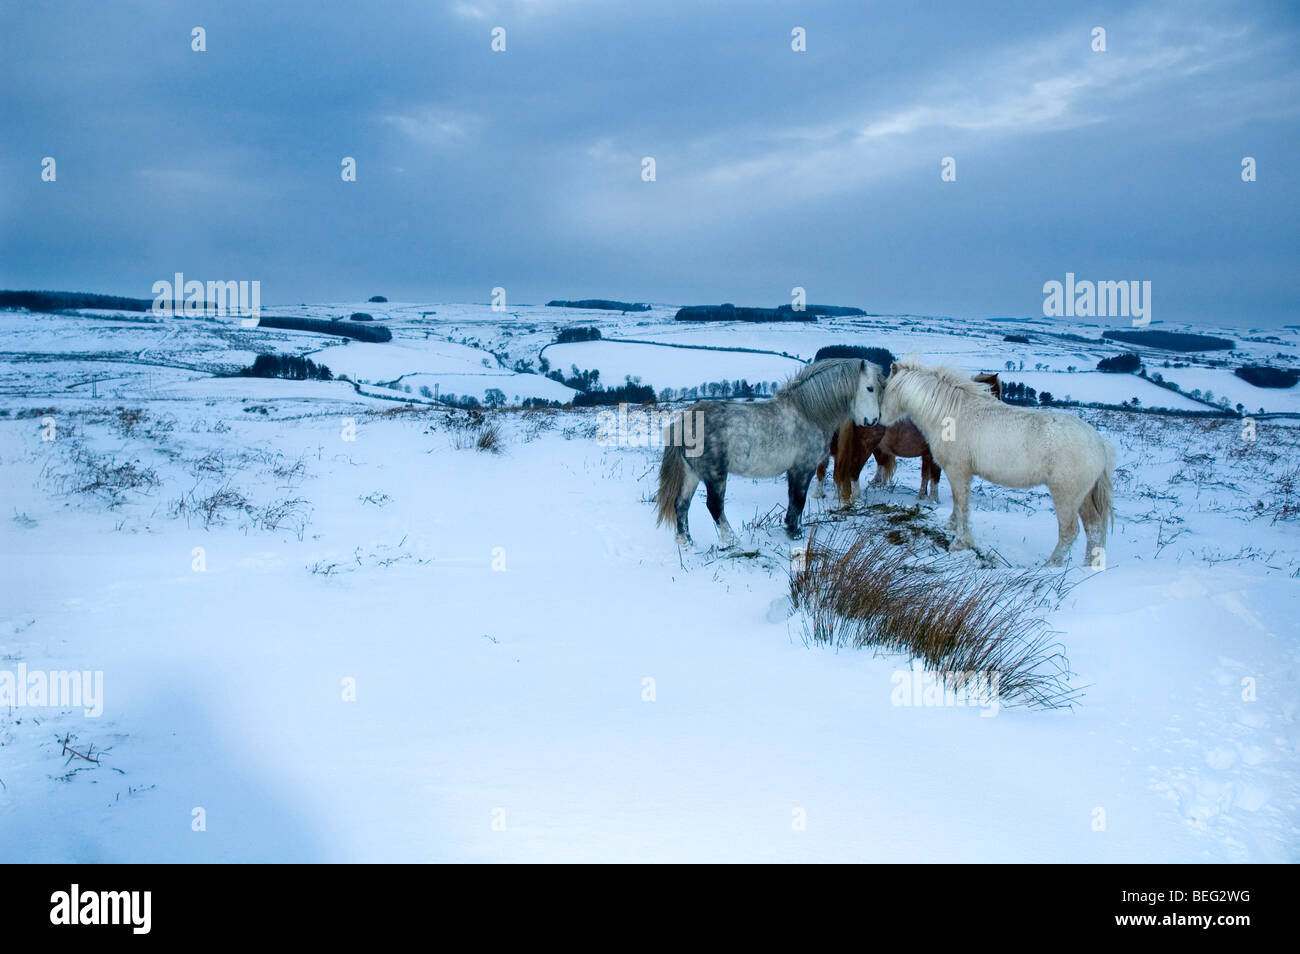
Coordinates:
<point>827,391</point>
<point>921,392</point>
<point>991,379</point>
<point>866,402</point>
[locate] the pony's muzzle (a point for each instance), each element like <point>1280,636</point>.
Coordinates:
<point>869,422</point>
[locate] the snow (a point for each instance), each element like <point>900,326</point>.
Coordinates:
<point>1224,384</point>
<point>1102,388</point>
<point>501,613</point>
<point>664,367</point>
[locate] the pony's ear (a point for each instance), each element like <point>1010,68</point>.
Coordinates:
<point>862,365</point>
<point>893,367</point>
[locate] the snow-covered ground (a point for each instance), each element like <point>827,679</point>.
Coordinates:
<point>330,628</point>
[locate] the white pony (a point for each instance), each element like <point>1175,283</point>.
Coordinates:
<point>972,433</point>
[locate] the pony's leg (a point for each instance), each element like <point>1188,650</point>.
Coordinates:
<point>960,519</point>
<point>689,482</point>
<point>797,480</point>
<point>886,463</point>
<point>930,474</point>
<point>1068,503</point>
<point>715,490</point>
<point>1094,530</point>
<point>819,491</point>
<point>846,486</point>
<point>851,488</point>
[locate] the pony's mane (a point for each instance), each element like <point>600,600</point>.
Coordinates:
<point>933,393</point>
<point>824,390</point>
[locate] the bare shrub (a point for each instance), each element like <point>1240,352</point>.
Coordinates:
<point>860,591</point>
<point>287,514</point>
<point>214,508</point>
<point>489,439</point>
<point>1284,497</point>
<point>209,464</point>
<point>127,421</point>
<point>105,477</point>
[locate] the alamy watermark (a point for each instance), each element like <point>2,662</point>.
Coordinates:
<point>58,689</point>
<point>649,427</point>
<point>1088,299</point>
<point>921,688</point>
<point>195,299</point>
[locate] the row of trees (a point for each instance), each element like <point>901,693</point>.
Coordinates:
<point>287,366</point>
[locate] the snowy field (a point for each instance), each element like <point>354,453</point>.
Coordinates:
<point>330,628</point>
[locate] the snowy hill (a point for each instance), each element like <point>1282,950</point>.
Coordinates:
<point>333,628</point>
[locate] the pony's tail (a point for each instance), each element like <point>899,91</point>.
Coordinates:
<point>672,477</point>
<point>1101,494</point>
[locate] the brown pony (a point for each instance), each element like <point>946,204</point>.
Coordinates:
<point>853,444</point>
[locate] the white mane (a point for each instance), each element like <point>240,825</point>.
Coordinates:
<point>932,394</point>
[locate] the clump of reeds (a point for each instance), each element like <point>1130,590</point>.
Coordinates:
<point>489,439</point>
<point>859,590</point>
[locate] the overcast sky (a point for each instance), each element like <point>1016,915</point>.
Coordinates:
<point>774,168</point>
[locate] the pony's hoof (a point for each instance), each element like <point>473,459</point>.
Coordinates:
<point>819,492</point>
<point>1055,561</point>
<point>684,540</point>
<point>961,544</point>
<point>794,534</point>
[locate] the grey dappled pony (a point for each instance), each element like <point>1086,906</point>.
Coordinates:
<point>787,434</point>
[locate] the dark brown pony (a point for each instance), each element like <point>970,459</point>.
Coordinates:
<point>853,445</point>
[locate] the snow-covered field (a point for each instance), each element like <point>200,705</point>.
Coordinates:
<point>330,628</point>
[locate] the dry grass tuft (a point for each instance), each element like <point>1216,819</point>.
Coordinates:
<point>1284,498</point>
<point>862,591</point>
<point>489,439</point>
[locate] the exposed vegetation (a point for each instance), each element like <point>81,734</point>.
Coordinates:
<point>289,366</point>
<point>1125,363</point>
<point>361,332</point>
<point>729,312</point>
<point>881,357</point>
<point>1263,376</point>
<point>860,590</point>
<point>577,333</point>
<point>60,300</point>
<point>601,304</point>
<point>1171,340</point>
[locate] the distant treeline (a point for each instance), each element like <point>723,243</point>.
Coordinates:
<point>633,392</point>
<point>289,366</point>
<point>60,301</point>
<point>362,332</point>
<point>729,312</point>
<point>1171,340</point>
<point>1266,377</point>
<point>1125,363</point>
<point>592,393</point>
<point>63,301</point>
<point>577,333</point>
<point>881,357</point>
<point>600,304</point>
